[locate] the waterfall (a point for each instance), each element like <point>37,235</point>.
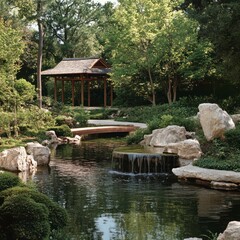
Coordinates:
<point>145,163</point>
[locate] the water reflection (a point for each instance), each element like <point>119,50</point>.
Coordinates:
<point>103,205</point>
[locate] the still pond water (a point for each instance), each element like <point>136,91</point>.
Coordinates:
<point>109,206</point>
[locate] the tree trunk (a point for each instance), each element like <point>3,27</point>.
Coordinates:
<point>169,93</point>
<point>40,47</point>
<point>152,87</point>
<point>175,90</point>
<point>15,120</point>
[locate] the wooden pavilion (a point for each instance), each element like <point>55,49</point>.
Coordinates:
<point>84,71</point>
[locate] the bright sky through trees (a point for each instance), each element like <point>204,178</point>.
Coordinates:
<point>104,1</point>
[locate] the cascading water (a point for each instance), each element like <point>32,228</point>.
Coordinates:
<point>140,160</point>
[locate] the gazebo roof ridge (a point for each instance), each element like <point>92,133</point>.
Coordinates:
<point>81,58</point>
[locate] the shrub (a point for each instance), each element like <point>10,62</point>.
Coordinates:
<point>22,218</point>
<point>189,123</point>
<point>146,113</point>
<point>212,162</point>
<point>57,216</point>
<point>232,137</point>
<point>137,136</point>
<point>35,119</point>
<point>61,120</point>
<point>6,120</point>
<point>63,130</point>
<point>8,180</point>
<point>25,89</point>
<point>81,117</point>
<point>165,120</point>
<point>102,113</point>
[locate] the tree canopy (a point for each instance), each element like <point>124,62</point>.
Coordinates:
<point>158,49</point>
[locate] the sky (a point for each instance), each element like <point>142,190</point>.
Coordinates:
<point>104,1</point>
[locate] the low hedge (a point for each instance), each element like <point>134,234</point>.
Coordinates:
<point>27,214</point>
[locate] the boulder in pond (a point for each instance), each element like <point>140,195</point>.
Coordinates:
<point>16,159</point>
<point>40,153</point>
<point>232,232</point>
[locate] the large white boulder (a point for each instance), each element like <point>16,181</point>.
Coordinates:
<point>40,153</point>
<point>214,120</point>
<point>16,159</point>
<point>164,136</point>
<point>232,232</point>
<point>187,149</point>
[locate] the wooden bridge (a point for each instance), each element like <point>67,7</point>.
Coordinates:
<point>102,129</point>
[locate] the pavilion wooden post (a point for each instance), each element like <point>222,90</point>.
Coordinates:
<point>63,91</point>
<point>55,89</point>
<point>82,92</point>
<point>105,92</point>
<point>89,94</point>
<point>73,82</point>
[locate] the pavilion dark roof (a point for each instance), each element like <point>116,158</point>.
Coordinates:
<point>74,66</point>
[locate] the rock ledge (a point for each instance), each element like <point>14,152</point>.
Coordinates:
<point>219,179</point>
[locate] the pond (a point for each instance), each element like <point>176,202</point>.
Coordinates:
<point>104,204</point>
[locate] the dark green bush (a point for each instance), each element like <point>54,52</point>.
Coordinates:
<point>102,113</point>
<point>146,114</point>
<point>137,136</point>
<point>189,123</point>
<point>61,120</point>
<point>229,163</point>
<point>165,120</point>
<point>22,218</point>
<point>232,137</point>
<point>81,116</point>
<point>8,180</point>
<point>57,216</point>
<point>62,131</point>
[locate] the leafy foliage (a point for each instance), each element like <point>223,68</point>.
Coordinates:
<point>8,180</point>
<point>138,136</point>
<point>81,116</point>
<point>222,154</point>
<point>23,218</point>
<point>28,214</point>
<point>63,130</point>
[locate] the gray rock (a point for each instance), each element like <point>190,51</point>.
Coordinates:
<point>223,185</point>
<point>164,136</point>
<point>232,232</point>
<point>205,174</point>
<point>193,238</point>
<point>187,149</point>
<point>16,159</point>
<point>214,120</point>
<point>40,153</point>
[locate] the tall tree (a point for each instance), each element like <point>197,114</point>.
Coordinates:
<point>40,50</point>
<point>152,45</point>
<point>11,47</point>
<point>137,24</point>
<point>30,11</point>
<point>71,25</point>
<point>178,47</point>
<point>220,23</point>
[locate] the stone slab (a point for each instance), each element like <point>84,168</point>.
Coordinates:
<point>205,174</point>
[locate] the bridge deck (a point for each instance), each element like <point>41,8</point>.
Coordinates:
<point>102,129</point>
